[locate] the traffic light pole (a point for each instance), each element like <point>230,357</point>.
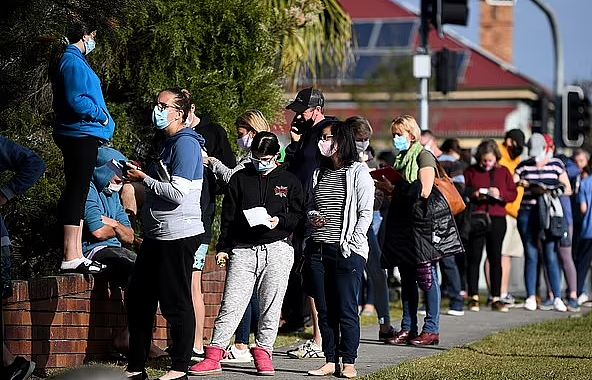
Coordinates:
<point>559,73</point>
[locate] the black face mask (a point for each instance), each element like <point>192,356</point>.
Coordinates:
<point>515,151</point>
<point>299,125</point>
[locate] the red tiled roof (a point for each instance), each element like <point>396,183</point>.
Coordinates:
<point>374,9</point>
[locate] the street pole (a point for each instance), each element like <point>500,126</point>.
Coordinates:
<point>422,75</point>
<point>559,72</point>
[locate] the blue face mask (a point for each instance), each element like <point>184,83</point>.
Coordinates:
<point>401,143</point>
<point>160,119</point>
<point>89,46</point>
<point>262,166</point>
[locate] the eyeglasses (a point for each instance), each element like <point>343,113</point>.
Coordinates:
<point>261,160</point>
<point>326,137</point>
<point>164,106</point>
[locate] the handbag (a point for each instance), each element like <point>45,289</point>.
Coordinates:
<point>481,221</point>
<point>447,188</point>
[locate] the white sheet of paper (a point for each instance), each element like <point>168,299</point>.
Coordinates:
<point>257,216</point>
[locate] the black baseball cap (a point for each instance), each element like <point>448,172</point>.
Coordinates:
<point>305,99</point>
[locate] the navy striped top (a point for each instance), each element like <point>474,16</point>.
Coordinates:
<point>547,174</point>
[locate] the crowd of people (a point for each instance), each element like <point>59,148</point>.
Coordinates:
<point>308,227</point>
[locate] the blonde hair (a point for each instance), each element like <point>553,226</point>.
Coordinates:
<point>407,124</point>
<point>253,119</point>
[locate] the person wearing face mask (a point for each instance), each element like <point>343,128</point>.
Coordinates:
<point>82,124</point>
<point>107,234</point>
<point>511,148</point>
<point>302,156</point>
<point>261,208</point>
<point>489,187</point>
<point>340,214</point>
<point>248,125</point>
<point>171,221</point>
<point>376,275</point>
<point>419,230</point>
<point>535,175</point>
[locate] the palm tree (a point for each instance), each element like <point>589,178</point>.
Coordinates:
<point>313,35</point>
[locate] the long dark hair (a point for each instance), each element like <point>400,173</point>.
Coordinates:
<point>343,137</point>
<point>485,147</point>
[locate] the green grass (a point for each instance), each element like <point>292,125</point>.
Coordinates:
<point>557,350</point>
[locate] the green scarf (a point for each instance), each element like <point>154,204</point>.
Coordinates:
<point>407,163</point>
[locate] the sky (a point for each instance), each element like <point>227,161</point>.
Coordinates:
<point>533,43</point>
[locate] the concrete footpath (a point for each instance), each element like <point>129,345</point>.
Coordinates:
<point>374,355</point>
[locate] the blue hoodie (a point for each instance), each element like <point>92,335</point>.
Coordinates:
<point>78,99</point>
<point>98,204</point>
<point>173,189</point>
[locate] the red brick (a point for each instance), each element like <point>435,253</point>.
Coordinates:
<point>210,265</point>
<point>207,334</point>
<point>219,276</point>
<point>212,298</point>
<point>161,333</point>
<point>209,321</point>
<point>20,292</point>
<point>212,287</point>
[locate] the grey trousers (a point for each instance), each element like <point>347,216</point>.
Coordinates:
<point>265,268</point>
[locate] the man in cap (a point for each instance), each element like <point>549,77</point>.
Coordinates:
<point>303,157</point>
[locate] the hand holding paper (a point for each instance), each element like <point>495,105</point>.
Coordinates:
<point>258,216</point>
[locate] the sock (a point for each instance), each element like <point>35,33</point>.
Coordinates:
<point>503,295</point>
<point>73,264</point>
<point>196,351</point>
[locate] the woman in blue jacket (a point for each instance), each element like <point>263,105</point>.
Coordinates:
<point>82,124</point>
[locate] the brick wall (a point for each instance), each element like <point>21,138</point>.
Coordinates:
<point>64,321</point>
<point>497,30</point>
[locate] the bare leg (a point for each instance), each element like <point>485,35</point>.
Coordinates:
<point>72,242</point>
<point>199,308</point>
<point>506,273</point>
<point>316,331</point>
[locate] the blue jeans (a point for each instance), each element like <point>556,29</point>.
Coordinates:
<point>249,322</point>
<point>528,226</point>
<point>410,300</point>
<point>336,282</point>
<point>449,270</point>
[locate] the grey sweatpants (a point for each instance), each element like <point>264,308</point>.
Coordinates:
<point>262,267</point>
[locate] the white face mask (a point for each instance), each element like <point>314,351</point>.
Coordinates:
<point>361,146</point>
<point>540,157</point>
<point>114,187</point>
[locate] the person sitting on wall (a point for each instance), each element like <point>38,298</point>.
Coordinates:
<point>108,233</point>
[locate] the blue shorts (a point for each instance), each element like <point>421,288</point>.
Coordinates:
<point>199,260</point>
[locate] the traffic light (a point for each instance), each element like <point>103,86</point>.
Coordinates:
<point>540,115</point>
<point>442,12</point>
<point>576,116</point>
<point>446,70</point>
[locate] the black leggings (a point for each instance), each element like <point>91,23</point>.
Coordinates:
<point>493,243</point>
<point>80,158</point>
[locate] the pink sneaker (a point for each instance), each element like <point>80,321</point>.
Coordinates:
<point>211,364</point>
<point>262,358</point>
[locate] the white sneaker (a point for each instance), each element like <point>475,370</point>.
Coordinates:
<point>456,313</point>
<point>530,304</point>
<point>583,298</point>
<point>307,350</point>
<point>237,356</point>
<point>558,305</point>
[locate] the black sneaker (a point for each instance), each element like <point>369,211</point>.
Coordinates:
<point>20,369</point>
<point>384,336</point>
